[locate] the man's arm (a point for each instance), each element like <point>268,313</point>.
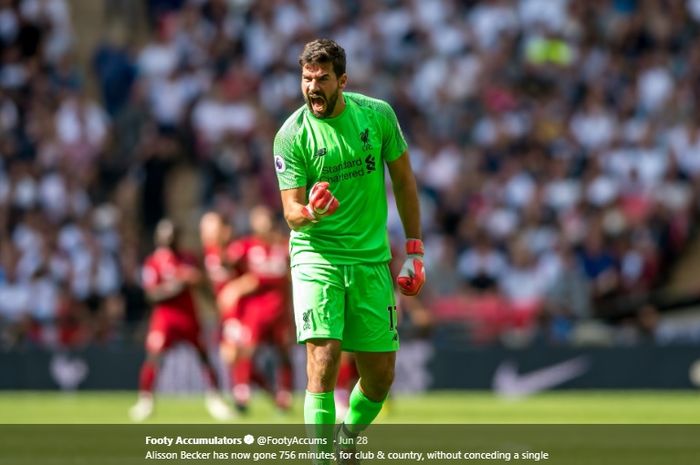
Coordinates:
<point>412,275</point>
<point>165,291</point>
<point>237,288</point>
<point>293,203</point>
<point>159,292</point>
<point>322,203</point>
<point>406,193</point>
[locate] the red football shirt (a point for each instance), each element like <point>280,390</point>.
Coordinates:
<point>162,265</point>
<point>217,273</point>
<point>269,262</point>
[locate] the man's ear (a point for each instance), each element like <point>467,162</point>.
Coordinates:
<point>342,81</point>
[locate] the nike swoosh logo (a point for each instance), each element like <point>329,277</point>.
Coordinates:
<point>507,382</point>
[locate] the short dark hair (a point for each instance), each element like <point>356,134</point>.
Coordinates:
<point>324,51</point>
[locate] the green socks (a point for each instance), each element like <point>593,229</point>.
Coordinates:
<point>319,416</point>
<point>362,411</point>
<point>319,408</point>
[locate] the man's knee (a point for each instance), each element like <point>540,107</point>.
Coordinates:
<point>377,387</point>
<point>387,378</point>
<point>323,358</point>
<point>376,375</point>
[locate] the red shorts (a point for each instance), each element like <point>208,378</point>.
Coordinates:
<point>257,320</point>
<point>168,327</point>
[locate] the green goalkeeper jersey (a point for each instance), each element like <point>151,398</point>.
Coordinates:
<point>348,151</point>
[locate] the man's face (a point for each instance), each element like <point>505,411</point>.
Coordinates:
<point>321,88</point>
<point>166,234</point>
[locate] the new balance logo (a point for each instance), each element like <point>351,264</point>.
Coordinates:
<point>370,164</point>
<point>320,152</point>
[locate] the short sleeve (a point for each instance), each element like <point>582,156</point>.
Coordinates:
<point>393,142</point>
<point>289,165</point>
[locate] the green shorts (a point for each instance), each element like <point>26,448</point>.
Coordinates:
<point>352,303</point>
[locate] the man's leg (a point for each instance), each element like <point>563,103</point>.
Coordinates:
<point>216,406</point>
<point>370,332</point>
<point>148,373</point>
<point>210,376</point>
<point>242,374</point>
<point>147,378</point>
<point>319,303</point>
<point>283,389</point>
<point>376,376</point>
<point>158,340</point>
<point>322,361</point>
<point>281,341</point>
<point>347,377</point>
<point>237,350</point>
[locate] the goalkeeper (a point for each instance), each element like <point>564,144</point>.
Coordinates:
<point>330,157</point>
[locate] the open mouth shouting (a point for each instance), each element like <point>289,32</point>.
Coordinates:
<point>318,104</point>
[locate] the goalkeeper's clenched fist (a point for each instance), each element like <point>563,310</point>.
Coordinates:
<point>321,202</point>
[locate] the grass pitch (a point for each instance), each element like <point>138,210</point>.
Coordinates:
<point>591,427</point>
<point>565,407</point>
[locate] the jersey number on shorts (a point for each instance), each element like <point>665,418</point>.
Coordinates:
<point>392,312</point>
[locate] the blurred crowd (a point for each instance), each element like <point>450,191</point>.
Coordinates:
<point>556,145</point>
<point>69,271</point>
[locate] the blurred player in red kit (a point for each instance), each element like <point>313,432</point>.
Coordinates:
<point>215,235</point>
<point>255,308</point>
<point>168,278</point>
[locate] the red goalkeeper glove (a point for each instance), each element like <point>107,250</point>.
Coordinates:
<point>412,275</point>
<point>321,203</point>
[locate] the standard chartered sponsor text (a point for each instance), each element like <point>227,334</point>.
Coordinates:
<point>340,166</point>
<point>344,176</point>
<point>342,171</point>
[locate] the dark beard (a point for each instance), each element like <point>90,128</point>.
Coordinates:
<point>330,104</point>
